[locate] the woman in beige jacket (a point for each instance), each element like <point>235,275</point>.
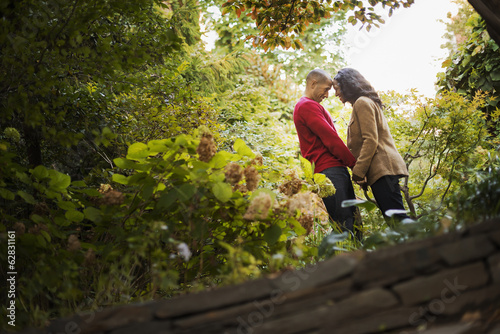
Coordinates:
<point>378,163</point>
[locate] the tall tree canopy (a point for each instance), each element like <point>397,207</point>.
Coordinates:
<point>280,23</point>
<point>55,53</point>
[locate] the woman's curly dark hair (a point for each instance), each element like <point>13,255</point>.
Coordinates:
<point>353,85</point>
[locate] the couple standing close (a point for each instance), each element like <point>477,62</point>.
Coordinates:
<point>370,152</point>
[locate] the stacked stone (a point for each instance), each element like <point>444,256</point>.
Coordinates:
<point>446,284</point>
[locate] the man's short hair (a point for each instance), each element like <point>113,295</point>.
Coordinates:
<point>318,75</point>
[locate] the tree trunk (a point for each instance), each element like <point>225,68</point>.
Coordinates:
<point>33,148</point>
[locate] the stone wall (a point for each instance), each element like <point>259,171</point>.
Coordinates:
<point>445,284</point>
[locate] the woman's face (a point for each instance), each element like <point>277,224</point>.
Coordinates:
<point>338,92</point>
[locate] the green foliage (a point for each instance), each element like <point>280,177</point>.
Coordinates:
<point>83,83</point>
<point>476,200</point>
<point>475,67</point>
<point>281,24</point>
<point>166,107</point>
<point>479,199</point>
<point>177,215</point>
<point>258,110</point>
<point>321,44</point>
<point>322,47</point>
<point>317,182</point>
<point>443,141</point>
<point>332,244</point>
<point>151,79</point>
<point>440,140</point>
<point>54,55</point>
<point>457,29</point>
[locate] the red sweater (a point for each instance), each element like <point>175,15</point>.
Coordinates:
<point>318,138</point>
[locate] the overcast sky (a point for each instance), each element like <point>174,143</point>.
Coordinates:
<point>405,52</point>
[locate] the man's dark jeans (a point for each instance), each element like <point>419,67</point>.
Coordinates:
<point>344,191</point>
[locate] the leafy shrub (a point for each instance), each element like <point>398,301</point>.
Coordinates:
<point>176,215</point>
<point>478,200</point>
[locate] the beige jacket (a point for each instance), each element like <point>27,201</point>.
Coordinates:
<point>371,143</point>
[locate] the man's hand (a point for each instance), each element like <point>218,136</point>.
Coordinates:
<point>361,181</point>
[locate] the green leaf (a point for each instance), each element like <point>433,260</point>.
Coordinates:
<point>74,216</point>
<point>46,235</point>
<point>256,193</point>
<point>41,241</point>
<point>7,194</point>
<point>495,76</point>
<point>40,172</point>
<point>220,159</point>
<point>222,191</point>
<point>61,221</point>
<point>186,191</point>
<point>227,246</point>
<point>66,205</point>
<point>138,151</point>
<point>319,178</point>
<point>23,177</point>
<point>118,178</point>
<point>158,146</point>
<point>359,203</point>
<point>297,227</point>
<point>147,191</point>
<point>328,245</point>
<point>181,140</point>
<point>272,234</point>
<point>306,168</point>
<point>78,184</point>
<point>373,241</point>
<point>28,239</point>
<point>140,179</point>
<point>125,163</point>
<point>160,187</point>
<point>200,166</point>
<point>166,200</point>
<point>217,177</point>
<point>58,181</point>
<point>28,198</point>
<point>242,148</point>
<point>37,218</point>
<point>93,214</point>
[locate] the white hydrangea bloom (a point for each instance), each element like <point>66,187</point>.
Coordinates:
<point>184,251</point>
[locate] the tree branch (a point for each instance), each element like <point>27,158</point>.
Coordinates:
<point>288,16</point>
<point>406,191</point>
<point>57,34</point>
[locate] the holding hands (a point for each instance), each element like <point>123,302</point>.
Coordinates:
<point>361,181</point>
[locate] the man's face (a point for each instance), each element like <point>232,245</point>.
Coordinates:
<point>320,90</point>
<point>338,92</point>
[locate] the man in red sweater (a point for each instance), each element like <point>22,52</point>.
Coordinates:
<point>321,145</point>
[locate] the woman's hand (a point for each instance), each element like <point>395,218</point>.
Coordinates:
<point>361,181</point>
